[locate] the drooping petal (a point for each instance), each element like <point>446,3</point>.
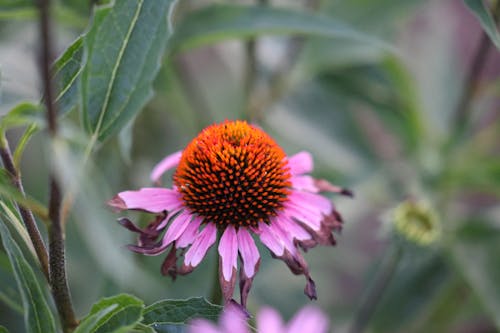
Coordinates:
<point>308,320</point>
<point>200,245</point>
<point>270,240</point>
<point>190,234</point>
<point>248,252</point>
<point>269,321</point>
<point>153,200</point>
<point>300,163</point>
<point>177,227</point>
<point>167,163</point>
<point>228,251</point>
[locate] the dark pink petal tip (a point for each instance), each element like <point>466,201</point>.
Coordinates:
<point>117,204</point>
<point>310,289</point>
<point>347,192</point>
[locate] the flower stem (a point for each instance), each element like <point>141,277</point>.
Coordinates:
<point>216,292</point>
<point>26,214</point>
<point>375,291</point>
<point>57,263</point>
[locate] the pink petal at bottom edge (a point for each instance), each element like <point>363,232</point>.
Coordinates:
<point>309,319</point>
<point>233,319</point>
<point>228,251</point>
<point>201,244</point>
<point>202,326</point>
<point>167,163</point>
<point>269,321</point>
<point>248,252</point>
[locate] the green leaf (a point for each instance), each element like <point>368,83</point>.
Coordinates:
<point>10,214</point>
<point>483,14</point>
<point>476,255</point>
<point>220,22</point>
<point>67,70</point>
<point>23,141</point>
<point>16,9</point>
<point>118,313</point>
<point>168,315</point>
<point>21,115</point>
<point>3,329</point>
<point>37,314</point>
<point>124,46</point>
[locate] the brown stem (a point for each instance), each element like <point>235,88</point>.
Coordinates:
<point>473,75</point>
<point>26,214</point>
<point>57,263</point>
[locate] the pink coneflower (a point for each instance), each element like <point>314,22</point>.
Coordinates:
<point>233,179</point>
<point>233,319</point>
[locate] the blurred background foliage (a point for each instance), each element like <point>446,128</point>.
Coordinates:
<point>381,112</point>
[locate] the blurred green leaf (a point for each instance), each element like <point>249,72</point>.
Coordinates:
<point>163,314</point>
<point>483,14</point>
<point>9,191</point>
<point>3,329</point>
<point>222,21</point>
<point>23,141</point>
<point>66,76</point>
<point>118,313</point>
<point>415,284</point>
<point>22,114</point>
<point>141,328</point>
<point>16,9</point>
<point>37,314</point>
<point>169,328</point>
<point>475,252</point>
<point>121,62</point>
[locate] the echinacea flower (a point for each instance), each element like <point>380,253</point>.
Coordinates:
<point>233,179</point>
<point>233,319</point>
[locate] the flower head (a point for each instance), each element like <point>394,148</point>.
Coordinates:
<point>417,222</point>
<point>234,179</point>
<point>234,320</point>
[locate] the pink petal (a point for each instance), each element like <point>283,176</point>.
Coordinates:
<point>233,320</point>
<point>300,163</point>
<point>293,228</point>
<point>284,236</point>
<point>304,183</point>
<point>270,240</point>
<point>154,200</point>
<point>167,163</point>
<point>202,326</point>
<point>177,227</point>
<point>189,235</point>
<point>200,245</point>
<point>269,321</point>
<point>228,251</point>
<point>312,219</point>
<point>308,320</point>
<point>248,251</point>
<point>311,201</point>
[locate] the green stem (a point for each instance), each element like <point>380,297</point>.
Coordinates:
<point>216,292</point>
<point>26,214</point>
<point>376,289</point>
